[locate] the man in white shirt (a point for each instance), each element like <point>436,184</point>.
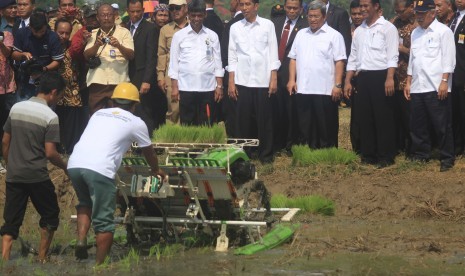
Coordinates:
<point>96,158</point>
<point>319,72</point>
<point>431,64</point>
<point>195,68</point>
<point>252,64</point>
<point>374,55</point>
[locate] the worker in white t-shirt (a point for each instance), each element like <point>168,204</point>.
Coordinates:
<point>95,160</point>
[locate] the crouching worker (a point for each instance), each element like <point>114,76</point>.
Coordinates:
<point>30,134</point>
<point>96,158</point>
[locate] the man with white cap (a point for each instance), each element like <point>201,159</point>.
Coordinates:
<point>115,7</point>
<point>178,13</point>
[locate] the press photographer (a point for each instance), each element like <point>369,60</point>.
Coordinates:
<point>107,52</point>
<point>36,47</point>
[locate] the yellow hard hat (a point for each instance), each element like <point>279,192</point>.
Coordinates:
<point>126,91</point>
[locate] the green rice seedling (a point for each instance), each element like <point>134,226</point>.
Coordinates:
<point>103,266</point>
<point>155,251</point>
<point>279,201</point>
<point>314,204</point>
<point>39,272</point>
<point>190,134</point>
<point>131,259</point>
<point>302,155</point>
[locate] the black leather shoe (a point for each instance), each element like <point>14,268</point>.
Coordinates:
<point>384,164</point>
<point>445,167</point>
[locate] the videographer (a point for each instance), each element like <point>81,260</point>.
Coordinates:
<point>39,50</point>
<point>67,10</point>
<point>108,53</point>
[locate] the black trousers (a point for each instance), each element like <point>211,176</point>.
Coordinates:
<point>354,124</point>
<point>402,120</point>
<point>426,110</point>
<point>254,119</point>
<point>44,199</point>
<point>458,118</point>
<point>376,118</point>
<point>152,108</point>
<point>228,109</point>
<point>193,107</point>
<point>73,121</point>
<point>284,119</point>
<point>318,120</point>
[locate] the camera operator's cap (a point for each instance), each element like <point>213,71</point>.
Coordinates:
<point>178,2</point>
<point>52,9</point>
<point>424,5</point>
<point>6,3</point>
<point>89,11</point>
<point>115,6</point>
<point>125,93</point>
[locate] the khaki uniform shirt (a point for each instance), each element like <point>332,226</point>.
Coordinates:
<point>114,67</point>
<point>164,45</point>
<point>75,24</point>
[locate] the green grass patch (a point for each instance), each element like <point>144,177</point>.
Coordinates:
<point>302,155</point>
<point>314,204</point>
<point>171,133</point>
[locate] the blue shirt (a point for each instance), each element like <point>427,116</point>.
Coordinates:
<point>46,49</point>
<point>4,27</point>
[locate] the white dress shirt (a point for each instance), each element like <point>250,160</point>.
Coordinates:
<point>432,53</point>
<point>136,25</point>
<point>253,52</point>
<point>195,59</point>
<point>462,13</point>
<point>374,47</point>
<point>316,64</point>
<point>26,22</point>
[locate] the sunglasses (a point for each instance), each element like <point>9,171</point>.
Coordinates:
<point>175,7</point>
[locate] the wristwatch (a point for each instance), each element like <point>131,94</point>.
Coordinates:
<point>338,85</point>
<point>445,80</point>
<point>219,86</point>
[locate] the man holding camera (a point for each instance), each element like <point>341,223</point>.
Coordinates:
<point>39,50</point>
<point>67,10</point>
<point>108,53</point>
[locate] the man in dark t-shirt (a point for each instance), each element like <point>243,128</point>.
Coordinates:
<point>36,42</point>
<point>30,134</point>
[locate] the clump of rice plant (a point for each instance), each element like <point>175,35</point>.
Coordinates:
<point>313,204</point>
<point>167,251</point>
<point>171,133</point>
<point>302,155</point>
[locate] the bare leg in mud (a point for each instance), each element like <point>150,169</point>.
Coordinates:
<point>46,237</point>
<point>7,242</point>
<point>83,226</point>
<point>104,241</point>
<point>83,222</point>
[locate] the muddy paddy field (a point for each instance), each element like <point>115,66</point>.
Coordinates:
<point>407,219</point>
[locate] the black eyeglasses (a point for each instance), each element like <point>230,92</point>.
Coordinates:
<point>175,7</point>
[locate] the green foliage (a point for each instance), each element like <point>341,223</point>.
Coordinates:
<point>314,204</point>
<point>170,133</point>
<point>165,251</point>
<point>304,156</point>
<point>132,259</point>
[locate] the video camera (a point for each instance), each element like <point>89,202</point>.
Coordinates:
<point>31,67</point>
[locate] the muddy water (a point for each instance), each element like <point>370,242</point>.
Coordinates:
<point>323,246</point>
